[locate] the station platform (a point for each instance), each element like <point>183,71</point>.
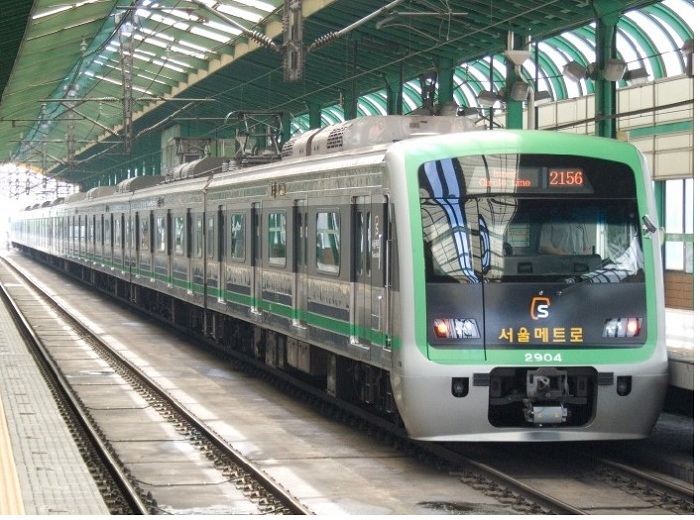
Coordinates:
<point>42,471</point>
<point>680,342</point>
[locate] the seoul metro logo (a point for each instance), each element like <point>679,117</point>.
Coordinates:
<point>539,307</point>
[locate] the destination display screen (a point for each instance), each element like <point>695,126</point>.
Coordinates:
<point>536,179</point>
<point>568,179</point>
<point>467,175</point>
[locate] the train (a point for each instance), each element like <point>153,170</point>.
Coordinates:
<point>407,264</point>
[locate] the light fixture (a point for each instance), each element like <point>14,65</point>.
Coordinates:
<point>519,90</point>
<point>517,58</point>
<point>574,71</point>
<point>636,76</point>
<point>487,98</point>
<point>614,69</point>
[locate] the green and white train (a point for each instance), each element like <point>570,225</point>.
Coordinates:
<point>407,263</point>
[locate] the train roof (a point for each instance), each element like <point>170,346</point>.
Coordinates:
<point>371,131</point>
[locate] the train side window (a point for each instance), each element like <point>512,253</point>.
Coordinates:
<point>91,231</point>
<point>144,235</point>
<point>199,238</point>
<point>211,244</point>
<point>328,242</point>
<point>117,234</point>
<point>160,234</point>
<point>108,231</point>
<point>98,229</point>
<point>277,239</point>
<point>238,237</point>
<point>360,243</point>
<point>179,244</point>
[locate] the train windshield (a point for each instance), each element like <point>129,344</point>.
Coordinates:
<point>529,218</point>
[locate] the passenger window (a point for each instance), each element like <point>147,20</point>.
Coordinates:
<point>145,237</point>
<point>210,237</point>
<point>328,242</point>
<point>160,234</point>
<point>179,245</point>
<point>238,237</point>
<point>277,239</point>
<point>199,238</point>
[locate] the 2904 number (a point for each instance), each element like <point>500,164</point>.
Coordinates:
<point>538,357</point>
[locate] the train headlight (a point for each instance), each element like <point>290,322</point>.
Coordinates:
<point>622,327</point>
<point>455,328</point>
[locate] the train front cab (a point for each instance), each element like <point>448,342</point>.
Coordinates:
<point>513,343</point>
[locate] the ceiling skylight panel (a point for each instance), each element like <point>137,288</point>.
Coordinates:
<point>141,90</point>
<point>107,79</point>
<point>146,53</point>
<point>158,34</point>
<point>168,65</point>
<point>194,46</point>
<point>256,4</point>
<point>223,27</point>
<point>155,42</point>
<point>61,8</point>
<point>153,79</point>
<point>169,59</point>
<point>165,20</point>
<point>141,57</point>
<point>239,13</point>
<point>188,52</point>
<point>182,14</point>
<point>209,34</point>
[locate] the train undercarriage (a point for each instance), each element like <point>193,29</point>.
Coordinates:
<point>339,376</point>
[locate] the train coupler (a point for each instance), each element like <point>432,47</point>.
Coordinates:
<point>544,414</point>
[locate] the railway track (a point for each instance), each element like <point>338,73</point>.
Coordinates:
<point>510,486</point>
<point>29,305</point>
<point>118,490</point>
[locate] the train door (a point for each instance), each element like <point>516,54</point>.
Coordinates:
<point>99,240</point>
<point>256,248</point>
<point>161,261</point>
<point>214,265</point>
<point>136,250</point>
<point>189,228</point>
<point>90,243</point>
<point>379,251</point>
<point>221,251</point>
<point>118,239</point>
<point>71,235</point>
<point>198,274</point>
<point>301,251</point>
<point>109,242</point>
<point>370,286</point>
<point>129,243</point>
<point>362,271</point>
<point>169,245</point>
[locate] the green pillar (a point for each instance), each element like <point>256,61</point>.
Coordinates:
<point>445,81</point>
<point>286,127</point>
<point>605,90</point>
<point>393,84</point>
<point>514,108</point>
<point>314,114</point>
<point>349,104</point>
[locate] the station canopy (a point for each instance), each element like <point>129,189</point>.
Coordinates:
<point>88,86</point>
